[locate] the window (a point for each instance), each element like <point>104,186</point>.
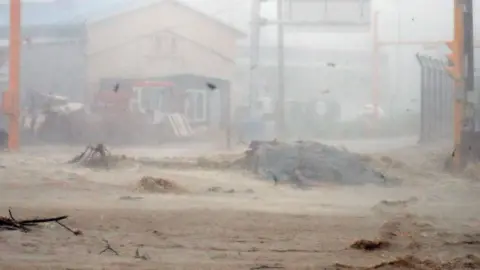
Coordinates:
<point>196,105</point>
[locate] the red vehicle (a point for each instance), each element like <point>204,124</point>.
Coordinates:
<point>135,111</point>
<point>142,96</point>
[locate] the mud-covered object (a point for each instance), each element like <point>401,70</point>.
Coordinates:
<point>308,163</point>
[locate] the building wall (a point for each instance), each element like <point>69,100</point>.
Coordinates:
<point>159,40</point>
<point>163,53</point>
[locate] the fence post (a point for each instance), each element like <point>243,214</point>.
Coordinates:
<point>428,98</point>
<point>442,102</point>
<point>439,109</point>
<point>422,102</point>
<point>440,99</point>
<point>423,90</point>
<point>433,100</point>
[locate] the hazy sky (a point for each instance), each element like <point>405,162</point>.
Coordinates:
<point>420,20</point>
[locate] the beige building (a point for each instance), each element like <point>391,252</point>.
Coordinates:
<point>163,38</point>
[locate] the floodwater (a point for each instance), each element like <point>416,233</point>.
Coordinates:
<point>227,219</point>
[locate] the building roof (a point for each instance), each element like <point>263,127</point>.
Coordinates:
<point>79,11</point>
<point>123,7</point>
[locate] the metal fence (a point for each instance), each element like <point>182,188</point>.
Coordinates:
<point>437,89</point>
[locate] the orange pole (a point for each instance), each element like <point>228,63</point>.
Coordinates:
<point>375,66</point>
<point>458,113</point>
<point>14,76</point>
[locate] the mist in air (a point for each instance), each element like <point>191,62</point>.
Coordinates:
<point>232,134</point>
<point>75,52</point>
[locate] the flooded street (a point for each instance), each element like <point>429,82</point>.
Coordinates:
<point>225,219</point>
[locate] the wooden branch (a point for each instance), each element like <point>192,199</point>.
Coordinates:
<point>74,231</point>
<point>17,224</point>
<point>42,220</point>
<point>11,223</point>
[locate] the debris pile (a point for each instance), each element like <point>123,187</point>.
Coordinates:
<point>150,184</point>
<point>99,157</point>
<point>93,156</point>
<point>308,163</point>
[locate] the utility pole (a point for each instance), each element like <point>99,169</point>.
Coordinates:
<point>255,26</point>
<point>12,97</point>
<point>255,29</point>
<point>470,95</point>
<point>287,6</point>
<point>375,67</point>
<point>461,69</point>
<point>469,72</point>
<point>281,68</point>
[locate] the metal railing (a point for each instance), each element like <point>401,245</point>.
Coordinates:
<point>437,89</point>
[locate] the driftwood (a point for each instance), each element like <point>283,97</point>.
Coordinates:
<point>12,224</point>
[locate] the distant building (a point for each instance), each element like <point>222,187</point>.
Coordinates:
<point>53,53</point>
<point>160,38</point>
<point>343,75</point>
